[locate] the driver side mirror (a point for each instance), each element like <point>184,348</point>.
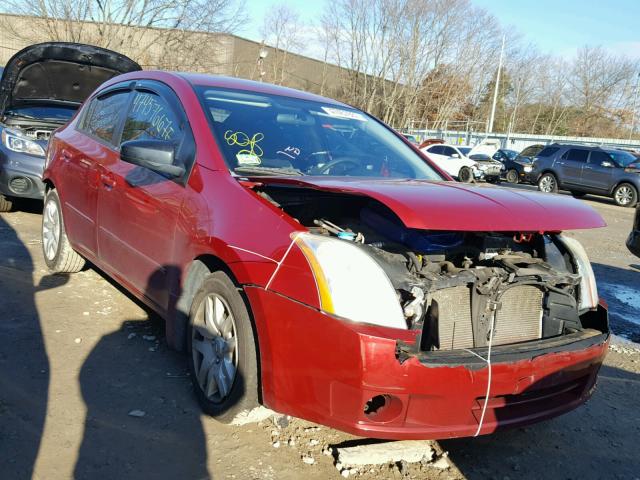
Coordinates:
<point>455,155</point>
<point>607,164</point>
<point>156,155</point>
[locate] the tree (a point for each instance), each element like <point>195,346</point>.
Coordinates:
<point>157,33</point>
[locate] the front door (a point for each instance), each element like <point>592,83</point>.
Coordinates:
<point>138,208</point>
<point>598,172</point>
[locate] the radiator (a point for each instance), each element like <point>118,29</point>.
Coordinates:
<point>518,320</point>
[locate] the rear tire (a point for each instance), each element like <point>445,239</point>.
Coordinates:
<point>6,204</point>
<point>625,195</point>
<point>58,254</point>
<point>548,183</point>
<point>222,350</point>
<point>512,176</point>
<point>465,175</point>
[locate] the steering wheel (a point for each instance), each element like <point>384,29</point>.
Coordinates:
<point>323,170</point>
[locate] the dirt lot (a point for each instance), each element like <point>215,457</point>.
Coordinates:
<point>88,389</point>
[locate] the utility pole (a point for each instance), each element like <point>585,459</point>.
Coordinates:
<point>495,91</point>
<point>633,110</point>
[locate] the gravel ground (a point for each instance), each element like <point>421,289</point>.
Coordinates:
<point>88,389</point>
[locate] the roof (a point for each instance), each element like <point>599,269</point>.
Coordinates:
<point>201,79</point>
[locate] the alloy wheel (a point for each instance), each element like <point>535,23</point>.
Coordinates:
<point>547,184</point>
<point>214,347</point>
<point>51,229</point>
<point>624,195</point>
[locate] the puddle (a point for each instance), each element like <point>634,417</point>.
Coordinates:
<point>624,309</point>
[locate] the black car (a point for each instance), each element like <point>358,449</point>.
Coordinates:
<point>583,169</point>
<point>633,242</point>
<point>41,88</point>
<point>517,166</point>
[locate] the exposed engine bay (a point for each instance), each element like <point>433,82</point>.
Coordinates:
<point>458,289</point>
<point>32,128</point>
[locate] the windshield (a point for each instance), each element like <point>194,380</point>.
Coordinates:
<point>624,159</point>
<point>510,154</point>
<point>464,150</point>
<point>55,113</point>
<point>274,135</point>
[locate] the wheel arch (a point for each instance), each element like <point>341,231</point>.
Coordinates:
<point>620,182</point>
<point>195,274</point>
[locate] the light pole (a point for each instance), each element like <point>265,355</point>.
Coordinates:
<point>495,93</point>
<point>262,54</point>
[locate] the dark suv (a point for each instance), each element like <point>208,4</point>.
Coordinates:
<point>583,169</point>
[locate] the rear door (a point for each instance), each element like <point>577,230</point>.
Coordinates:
<point>570,165</point>
<point>598,172</point>
<point>138,208</point>
<point>94,145</point>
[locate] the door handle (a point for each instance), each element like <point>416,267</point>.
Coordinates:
<point>108,180</point>
<point>560,163</point>
<point>65,155</point>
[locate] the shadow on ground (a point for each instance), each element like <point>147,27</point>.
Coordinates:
<point>24,365</point>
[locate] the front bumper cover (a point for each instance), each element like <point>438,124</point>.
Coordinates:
<point>27,168</point>
<point>326,370</point>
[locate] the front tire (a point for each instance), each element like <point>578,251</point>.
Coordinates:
<point>6,204</point>
<point>548,183</point>
<point>465,175</point>
<point>625,195</point>
<point>59,256</point>
<point>512,176</point>
<point>222,350</point>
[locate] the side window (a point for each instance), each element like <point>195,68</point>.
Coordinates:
<point>577,155</point>
<point>151,118</point>
<point>448,151</point>
<point>597,158</point>
<point>437,149</point>
<point>103,115</point>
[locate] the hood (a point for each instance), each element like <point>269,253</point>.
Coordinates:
<point>58,73</point>
<point>488,147</point>
<point>430,205</point>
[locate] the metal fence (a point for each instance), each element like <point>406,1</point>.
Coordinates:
<point>516,141</point>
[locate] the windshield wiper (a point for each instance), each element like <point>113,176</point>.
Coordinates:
<point>268,171</point>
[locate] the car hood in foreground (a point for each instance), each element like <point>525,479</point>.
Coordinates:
<point>58,73</point>
<point>454,206</point>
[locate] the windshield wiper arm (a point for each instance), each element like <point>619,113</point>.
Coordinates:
<point>268,170</point>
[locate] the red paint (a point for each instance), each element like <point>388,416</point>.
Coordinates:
<point>313,366</point>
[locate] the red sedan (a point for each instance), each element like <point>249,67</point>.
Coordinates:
<point>310,259</point>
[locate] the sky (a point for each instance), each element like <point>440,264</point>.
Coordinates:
<point>555,26</point>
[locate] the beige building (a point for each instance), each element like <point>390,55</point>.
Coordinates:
<point>155,48</point>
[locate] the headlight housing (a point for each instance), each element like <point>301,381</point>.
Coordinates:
<point>351,284</point>
<point>17,142</point>
<point>588,290</point>
<point>528,168</point>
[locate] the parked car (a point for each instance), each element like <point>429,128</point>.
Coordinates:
<point>455,160</point>
<point>633,242</point>
<point>430,141</point>
<point>585,169</point>
<point>40,89</point>
<point>512,170</point>
<point>411,138</point>
<point>305,256</point>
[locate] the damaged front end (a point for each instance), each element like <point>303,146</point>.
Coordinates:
<point>462,292</point>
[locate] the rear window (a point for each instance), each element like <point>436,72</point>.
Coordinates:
<point>577,155</point>
<point>103,113</point>
<point>545,152</point>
